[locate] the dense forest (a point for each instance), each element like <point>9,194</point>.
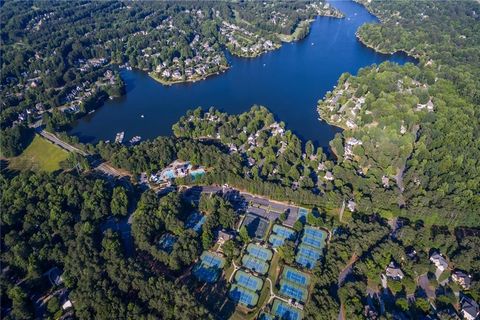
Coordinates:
<point>60,221</point>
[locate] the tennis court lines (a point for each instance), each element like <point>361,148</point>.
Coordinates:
<point>280,234</point>
<point>310,249</point>
<point>293,284</point>
<point>245,289</point>
<point>284,311</point>
<point>209,267</point>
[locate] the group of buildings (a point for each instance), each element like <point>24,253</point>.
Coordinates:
<point>468,308</point>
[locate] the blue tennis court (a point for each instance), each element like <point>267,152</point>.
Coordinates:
<point>296,276</point>
<point>243,296</point>
<point>276,241</point>
<point>314,242</point>
<point>248,281</point>
<point>302,214</point>
<point>259,252</point>
<point>208,267</point>
<point>212,260</point>
<point>266,316</point>
<point>315,233</point>
<point>305,261</point>
<point>308,251</point>
<point>284,232</point>
<point>205,273</point>
<point>195,221</point>
<point>290,290</point>
<point>285,312</point>
<point>254,264</point>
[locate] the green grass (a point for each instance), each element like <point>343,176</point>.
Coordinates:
<point>40,155</point>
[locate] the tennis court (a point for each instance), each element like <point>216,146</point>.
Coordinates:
<point>254,264</point>
<point>243,296</point>
<point>275,240</point>
<point>296,276</point>
<point>255,225</point>
<point>259,252</point>
<point>293,291</point>
<point>205,273</point>
<point>266,316</point>
<point>284,232</point>
<point>195,221</point>
<point>315,233</point>
<point>248,281</point>
<point>285,312</point>
<point>311,241</point>
<point>209,266</point>
<point>212,260</point>
<point>302,214</point>
<point>305,261</point>
<point>309,252</point>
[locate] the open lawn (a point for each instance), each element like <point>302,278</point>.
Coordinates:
<point>40,155</point>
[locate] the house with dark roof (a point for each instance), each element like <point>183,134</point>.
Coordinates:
<point>469,308</point>
<point>462,279</point>
<point>394,272</point>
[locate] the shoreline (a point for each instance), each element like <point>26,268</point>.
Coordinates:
<point>165,82</point>
<point>386,52</point>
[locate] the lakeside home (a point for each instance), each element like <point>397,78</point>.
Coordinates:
<point>177,169</point>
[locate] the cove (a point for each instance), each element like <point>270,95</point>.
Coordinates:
<point>288,81</point>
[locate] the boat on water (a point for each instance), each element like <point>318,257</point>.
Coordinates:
<point>135,139</point>
<point>142,116</point>
<point>119,137</point>
<point>92,111</point>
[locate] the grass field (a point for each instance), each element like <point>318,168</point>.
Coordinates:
<point>40,155</point>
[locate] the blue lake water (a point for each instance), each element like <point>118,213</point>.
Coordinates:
<point>288,81</point>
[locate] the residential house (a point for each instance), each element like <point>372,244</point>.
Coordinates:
<point>462,279</point>
<point>394,272</point>
<point>439,261</point>
<point>469,308</point>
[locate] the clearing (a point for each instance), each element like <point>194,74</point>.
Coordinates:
<point>40,155</point>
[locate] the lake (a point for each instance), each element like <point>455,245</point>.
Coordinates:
<point>288,81</point>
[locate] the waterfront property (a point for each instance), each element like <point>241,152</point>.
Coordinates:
<point>248,82</point>
<point>209,267</point>
<point>177,169</point>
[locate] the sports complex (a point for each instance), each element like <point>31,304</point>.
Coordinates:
<point>258,286</point>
